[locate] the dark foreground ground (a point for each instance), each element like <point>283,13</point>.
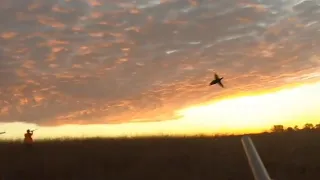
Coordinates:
<point>286,155</point>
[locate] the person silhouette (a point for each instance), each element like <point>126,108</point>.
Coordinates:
<point>28,141</point>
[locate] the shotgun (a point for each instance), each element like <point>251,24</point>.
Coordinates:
<point>33,130</point>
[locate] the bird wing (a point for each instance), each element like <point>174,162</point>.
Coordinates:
<point>212,82</point>
<point>220,83</point>
<point>216,76</point>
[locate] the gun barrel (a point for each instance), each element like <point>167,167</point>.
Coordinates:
<point>257,167</point>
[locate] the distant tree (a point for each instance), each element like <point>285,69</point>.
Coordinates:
<point>308,126</point>
<point>290,129</point>
<point>317,126</point>
<point>296,128</point>
<point>277,128</point>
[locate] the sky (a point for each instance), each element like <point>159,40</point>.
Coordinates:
<point>124,67</point>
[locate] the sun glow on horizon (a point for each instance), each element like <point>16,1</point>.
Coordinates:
<point>288,107</point>
<point>256,113</point>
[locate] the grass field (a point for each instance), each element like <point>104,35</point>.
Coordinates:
<point>292,155</point>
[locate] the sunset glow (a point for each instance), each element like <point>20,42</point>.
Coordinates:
<point>288,107</point>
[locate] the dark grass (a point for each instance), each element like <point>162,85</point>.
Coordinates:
<point>293,156</point>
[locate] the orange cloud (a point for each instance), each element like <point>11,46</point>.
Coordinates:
<point>113,61</point>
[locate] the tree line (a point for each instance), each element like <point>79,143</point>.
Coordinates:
<point>306,127</point>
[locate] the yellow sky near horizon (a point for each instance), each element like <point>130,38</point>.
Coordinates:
<point>246,114</point>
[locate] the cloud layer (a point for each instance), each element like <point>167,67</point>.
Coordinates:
<point>112,61</point>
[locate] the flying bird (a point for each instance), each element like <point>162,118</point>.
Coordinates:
<point>217,80</point>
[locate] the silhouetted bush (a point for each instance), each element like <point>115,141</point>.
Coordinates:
<point>290,129</point>
<point>306,127</point>
<point>277,128</point>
